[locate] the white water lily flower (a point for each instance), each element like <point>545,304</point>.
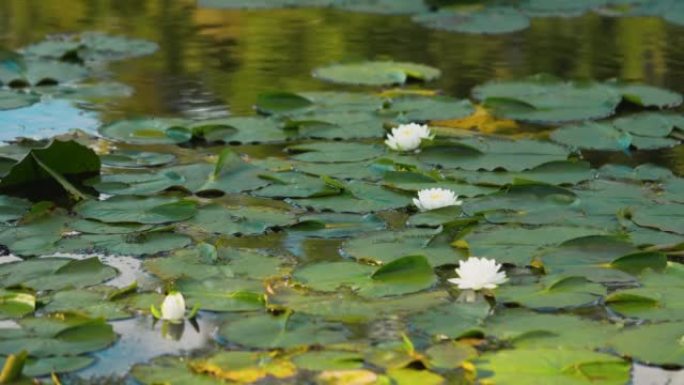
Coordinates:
<point>436,198</point>
<point>479,273</point>
<point>173,307</point>
<point>407,137</point>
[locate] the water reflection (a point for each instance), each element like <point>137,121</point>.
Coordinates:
<point>46,119</point>
<point>648,375</point>
<point>142,339</point>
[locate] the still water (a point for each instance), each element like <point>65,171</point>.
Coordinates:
<point>215,63</point>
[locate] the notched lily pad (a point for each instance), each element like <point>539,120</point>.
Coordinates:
<point>378,73</point>
<point>488,20</point>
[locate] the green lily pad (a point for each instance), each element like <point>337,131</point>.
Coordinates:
<point>162,369</point>
<point>488,20</point>
<point>127,209</point>
<point>282,331</point>
<point>295,185</point>
<point>544,100</point>
<point>402,276</point>
<point>560,172</point>
<point>90,302</point>
<point>553,292</point>
<point>90,46</point>
<point>239,130</point>
<point>246,220</point>
<point>12,208</point>
<point>327,152</point>
<point>664,217</point>
<point>421,109</point>
<point>40,72</point>
<point>347,307</point>
<point>655,124</point>
<point>657,299</point>
<point>337,125</point>
<point>389,7</point>
<point>490,154</point>
<point>454,320</point>
<point>605,136</point>
<point>560,8</point>
<point>376,73</point>
<point>649,96</point>
<point>148,131</point>
<point>259,4</point>
<point>223,294</point>
<point>657,344</point>
<point>553,366</point>
<point>525,329</point>
<point>358,197</point>
<point>55,273</point>
<point>67,335</point>
<point>16,304</point>
<point>387,246</point>
<point>328,360</point>
<point>337,225</point>
<point>136,159</point>
<point>10,100</point>
<point>517,245</point>
<point>133,244</point>
<point>643,172</point>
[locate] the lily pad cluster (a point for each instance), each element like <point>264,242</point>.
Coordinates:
<point>65,66</point>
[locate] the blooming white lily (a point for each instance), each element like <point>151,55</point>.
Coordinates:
<point>435,198</point>
<point>173,307</point>
<point>479,273</point>
<point>407,137</point>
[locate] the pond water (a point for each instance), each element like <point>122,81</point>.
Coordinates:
<point>233,245</point>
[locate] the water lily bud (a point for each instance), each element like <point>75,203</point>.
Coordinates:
<point>173,307</point>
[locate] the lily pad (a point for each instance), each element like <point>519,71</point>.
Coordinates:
<point>328,152</point>
<point>553,292</point>
<point>654,344</point>
<point>125,209</point>
<point>544,100</point>
<point>378,73</point>
<point>454,320</point>
<point>148,131</point>
<point>649,96</point>
<point>421,109</point>
<point>387,246</point>
<point>553,366</point>
<point>402,276</point>
<point>55,273</point>
<point>488,20</point>
<point>283,331</point>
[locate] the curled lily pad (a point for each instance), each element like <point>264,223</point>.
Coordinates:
<point>376,73</point>
<point>488,20</point>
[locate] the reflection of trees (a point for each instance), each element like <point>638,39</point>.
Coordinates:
<point>213,57</point>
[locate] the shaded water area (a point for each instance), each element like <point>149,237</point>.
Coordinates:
<point>213,63</point>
